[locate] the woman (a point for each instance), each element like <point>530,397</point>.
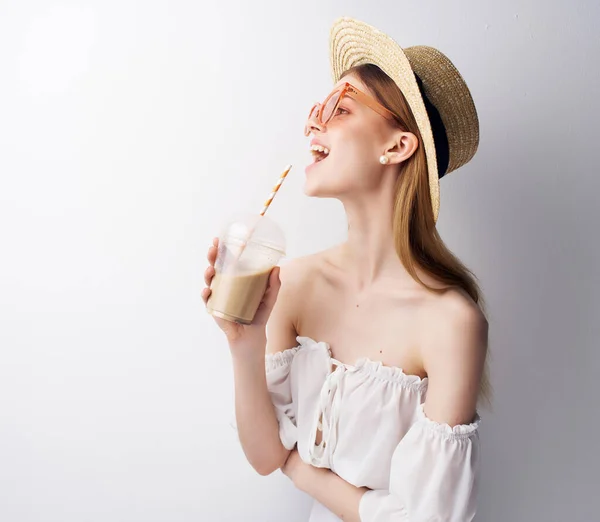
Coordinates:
<point>376,348</point>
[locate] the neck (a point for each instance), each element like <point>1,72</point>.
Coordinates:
<point>369,254</point>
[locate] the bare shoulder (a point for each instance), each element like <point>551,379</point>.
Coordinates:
<point>297,279</point>
<point>453,350</point>
<point>298,270</point>
<point>454,313</point>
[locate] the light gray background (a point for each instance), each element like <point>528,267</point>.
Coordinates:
<point>130,130</point>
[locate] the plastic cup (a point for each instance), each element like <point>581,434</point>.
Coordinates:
<point>250,246</point>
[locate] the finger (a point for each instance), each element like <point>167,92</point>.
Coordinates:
<point>274,277</point>
<point>206,294</point>
<point>212,254</point>
<point>269,298</point>
<point>216,241</point>
<point>209,273</point>
<point>273,288</point>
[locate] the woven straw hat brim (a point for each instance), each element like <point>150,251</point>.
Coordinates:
<point>448,92</point>
<point>353,43</point>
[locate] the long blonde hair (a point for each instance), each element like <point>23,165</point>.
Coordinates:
<point>416,239</point>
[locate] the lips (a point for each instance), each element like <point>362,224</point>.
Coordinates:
<point>315,141</point>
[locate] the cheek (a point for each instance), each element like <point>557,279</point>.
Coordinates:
<point>356,155</point>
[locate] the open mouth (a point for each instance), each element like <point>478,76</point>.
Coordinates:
<point>319,153</point>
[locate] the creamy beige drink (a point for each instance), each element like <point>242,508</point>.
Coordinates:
<point>249,247</point>
<point>236,297</point>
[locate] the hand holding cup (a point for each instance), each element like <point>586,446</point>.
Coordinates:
<point>235,331</point>
<point>243,277</point>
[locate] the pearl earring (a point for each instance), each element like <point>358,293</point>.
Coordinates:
<point>384,160</point>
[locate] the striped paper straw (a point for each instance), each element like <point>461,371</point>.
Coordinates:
<point>267,203</point>
<point>275,189</point>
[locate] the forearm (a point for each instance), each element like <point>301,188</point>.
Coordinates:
<point>337,495</point>
<point>258,428</point>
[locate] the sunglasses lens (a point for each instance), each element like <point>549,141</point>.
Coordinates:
<point>330,105</point>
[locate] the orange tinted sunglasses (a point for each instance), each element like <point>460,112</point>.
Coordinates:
<point>324,112</point>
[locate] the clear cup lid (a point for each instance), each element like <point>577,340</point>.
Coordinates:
<point>257,229</point>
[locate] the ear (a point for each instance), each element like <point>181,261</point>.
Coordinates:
<point>402,147</point>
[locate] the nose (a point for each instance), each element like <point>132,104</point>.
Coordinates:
<point>312,124</point>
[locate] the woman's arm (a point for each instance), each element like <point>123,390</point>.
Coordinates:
<point>258,426</point>
<point>337,495</point>
<point>257,421</point>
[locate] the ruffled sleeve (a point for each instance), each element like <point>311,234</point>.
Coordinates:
<point>278,366</point>
<point>434,475</point>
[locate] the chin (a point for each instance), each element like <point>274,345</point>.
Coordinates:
<point>321,189</point>
<point>316,183</point>
<point>324,181</point>
<point>312,190</point>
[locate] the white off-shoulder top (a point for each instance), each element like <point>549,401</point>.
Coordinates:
<point>371,430</point>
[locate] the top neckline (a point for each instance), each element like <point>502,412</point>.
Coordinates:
<point>374,367</point>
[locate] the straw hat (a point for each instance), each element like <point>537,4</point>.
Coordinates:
<point>443,108</point>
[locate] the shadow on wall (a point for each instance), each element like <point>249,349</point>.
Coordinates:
<point>544,328</point>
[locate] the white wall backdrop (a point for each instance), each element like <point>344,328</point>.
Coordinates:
<point>130,130</point>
